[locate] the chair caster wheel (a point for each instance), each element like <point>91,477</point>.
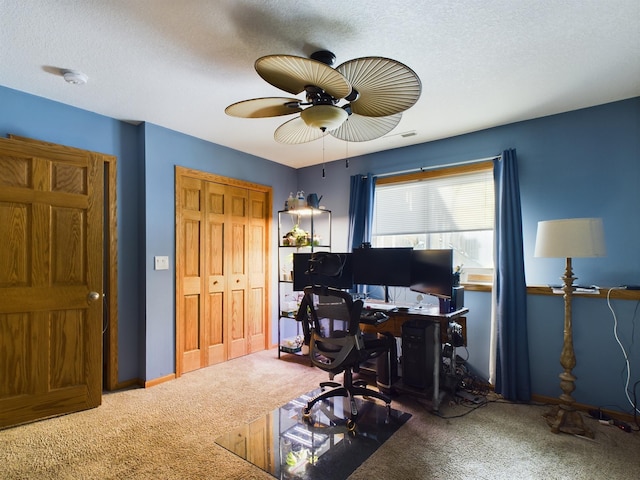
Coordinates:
<point>351,426</point>
<point>306,416</point>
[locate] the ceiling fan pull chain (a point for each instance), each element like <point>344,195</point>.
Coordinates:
<point>346,159</point>
<point>323,163</point>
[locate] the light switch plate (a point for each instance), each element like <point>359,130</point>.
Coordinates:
<point>162,263</point>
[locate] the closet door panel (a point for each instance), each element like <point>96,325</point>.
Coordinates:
<point>215,317</point>
<point>189,268</point>
<point>236,260</point>
<point>257,252</point>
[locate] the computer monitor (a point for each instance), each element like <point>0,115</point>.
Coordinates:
<point>302,276</point>
<point>432,272</point>
<point>389,267</point>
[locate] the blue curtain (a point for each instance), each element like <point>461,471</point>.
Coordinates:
<point>360,209</point>
<point>510,291</point>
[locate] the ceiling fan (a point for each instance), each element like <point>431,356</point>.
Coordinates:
<point>360,100</point>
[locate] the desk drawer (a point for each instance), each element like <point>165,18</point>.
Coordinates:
<point>393,326</point>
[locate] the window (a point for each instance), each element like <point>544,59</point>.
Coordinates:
<point>446,208</point>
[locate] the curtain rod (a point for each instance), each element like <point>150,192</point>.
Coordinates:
<point>435,167</point>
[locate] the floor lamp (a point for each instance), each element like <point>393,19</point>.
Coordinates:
<point>569,238</point>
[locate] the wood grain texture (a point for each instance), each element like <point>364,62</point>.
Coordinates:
<point>229,249</point>
<point>111,381</point>
<point>53,356</point>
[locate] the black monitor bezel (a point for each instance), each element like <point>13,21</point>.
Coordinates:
<point>389,267</point>
<point>301,279</point>
<point>432,272</point>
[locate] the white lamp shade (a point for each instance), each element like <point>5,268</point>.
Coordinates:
<point>324,117</point>
<point>570,238</point>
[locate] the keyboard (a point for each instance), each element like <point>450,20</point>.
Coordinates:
<point>373,317</point>
<point>378,306</point>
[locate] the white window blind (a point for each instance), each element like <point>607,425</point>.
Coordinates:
<point>456,203</point>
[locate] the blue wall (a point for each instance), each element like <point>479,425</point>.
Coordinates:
<point>147,155</point>
<point>164,149</point>
<point>582,163</point>
<point>42,119</point>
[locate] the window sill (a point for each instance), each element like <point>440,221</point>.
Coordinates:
<point>477,287</point>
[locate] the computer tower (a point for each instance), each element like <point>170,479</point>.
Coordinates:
<point>418,350</point>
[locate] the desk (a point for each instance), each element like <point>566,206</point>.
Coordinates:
<point>428,314</point>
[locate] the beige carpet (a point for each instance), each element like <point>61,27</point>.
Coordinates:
<point>169,432</point>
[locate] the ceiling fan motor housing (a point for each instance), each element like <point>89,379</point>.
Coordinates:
<point>324,56</point>
<point>317,96</point>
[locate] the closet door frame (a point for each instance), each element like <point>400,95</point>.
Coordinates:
<point>181,175</point>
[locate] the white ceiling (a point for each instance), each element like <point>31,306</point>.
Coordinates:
<point>178,64</point>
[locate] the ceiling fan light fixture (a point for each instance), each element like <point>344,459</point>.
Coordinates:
<point>324,117</point>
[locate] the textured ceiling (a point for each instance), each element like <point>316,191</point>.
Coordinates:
<point>178,64</point>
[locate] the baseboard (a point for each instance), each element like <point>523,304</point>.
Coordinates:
<point>625,417</point>
<point>159,380</point>
<point>134,382</point>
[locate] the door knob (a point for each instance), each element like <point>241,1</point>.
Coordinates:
<point>93,296</point>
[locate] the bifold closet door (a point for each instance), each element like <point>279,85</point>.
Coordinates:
<point>222,299</point>
<point>236,268</point>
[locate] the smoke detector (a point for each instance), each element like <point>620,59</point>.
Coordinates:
<point>74,77</point>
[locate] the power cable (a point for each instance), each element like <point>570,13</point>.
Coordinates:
<point>634,405</point>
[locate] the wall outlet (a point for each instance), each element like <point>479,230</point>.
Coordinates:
<point>162,263</point>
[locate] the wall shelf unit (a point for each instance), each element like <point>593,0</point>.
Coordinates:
<point>302,230</point>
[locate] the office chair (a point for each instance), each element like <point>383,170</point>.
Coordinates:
<point>336,344</point>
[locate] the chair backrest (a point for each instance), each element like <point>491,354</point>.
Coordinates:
<point>334,323</point>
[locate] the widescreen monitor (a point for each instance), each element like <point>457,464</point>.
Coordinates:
<point>389,267</point>
<point>432,272</point>
<point>302,276</point>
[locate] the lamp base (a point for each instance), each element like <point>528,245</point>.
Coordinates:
<point>567,420</point>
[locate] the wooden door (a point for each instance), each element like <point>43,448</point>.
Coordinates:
<point>201,269</point>
<point>257,287</point>
<point>222,259</point>
<point>109,263</point>
<point>51,247</point>
<point>189,272</point>
<point>215,311</point>
<point>237,261</point>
